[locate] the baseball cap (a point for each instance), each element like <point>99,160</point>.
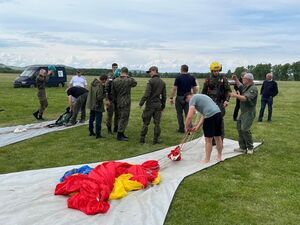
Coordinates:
<point>152,68</point>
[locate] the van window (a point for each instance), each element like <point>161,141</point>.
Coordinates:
<point>60,73</point>
<point>27,73</point>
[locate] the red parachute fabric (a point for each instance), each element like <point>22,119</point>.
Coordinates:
<point>175,154</point>
<point>90,193</point>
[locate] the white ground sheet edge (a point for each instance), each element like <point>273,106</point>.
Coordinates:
<point>8,136</point>
<point>27,197</point>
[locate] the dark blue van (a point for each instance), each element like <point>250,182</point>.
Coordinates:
<point>28,77</point>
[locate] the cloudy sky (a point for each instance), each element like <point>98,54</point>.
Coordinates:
<point>141,33</point>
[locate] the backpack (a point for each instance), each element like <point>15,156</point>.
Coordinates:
<point>63,119</point>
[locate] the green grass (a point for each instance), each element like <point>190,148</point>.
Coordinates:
<point>258,189</point>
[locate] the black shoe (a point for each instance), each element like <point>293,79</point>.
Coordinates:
<point>81,121</point>
<point>120,137</point>
<point>124,135</point>
<point>40,117</point>
<point>99,136</point>
<point>155,141</point>
<point>180,130</point>
<point>35,114</point>
<point>92,134</point>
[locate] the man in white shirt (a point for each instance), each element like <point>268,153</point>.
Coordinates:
<point>78,80</point>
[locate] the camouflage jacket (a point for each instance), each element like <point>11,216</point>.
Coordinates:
<point>41,84</point>
<point>155,94</point>
<point>121,90</point>
<point>108,86</point>
<point>96,96</point>
<point>217,88</point>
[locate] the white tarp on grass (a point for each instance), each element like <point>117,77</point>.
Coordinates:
<point>27,197</point>
<point>10,135</point>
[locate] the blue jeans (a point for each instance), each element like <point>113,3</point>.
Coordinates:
<point>264,102</point>
<point>98,116</point>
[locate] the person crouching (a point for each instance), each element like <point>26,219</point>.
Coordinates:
<point>211,119</point>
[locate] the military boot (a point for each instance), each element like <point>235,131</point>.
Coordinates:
<point>35,114</point>
<point>40,117</point>
<point>155,140</point>
<point>120,137</point>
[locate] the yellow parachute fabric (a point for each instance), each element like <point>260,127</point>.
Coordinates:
<point>122,185</point>
<point>157,179</point>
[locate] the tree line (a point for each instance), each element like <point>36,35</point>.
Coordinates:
<point>280,72</point>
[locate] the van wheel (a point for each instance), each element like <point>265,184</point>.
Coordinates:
<point>31,86</point>
<point>61,85</point>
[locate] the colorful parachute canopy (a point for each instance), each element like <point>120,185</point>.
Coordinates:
<point>91,192</point>
<point>175,154</point>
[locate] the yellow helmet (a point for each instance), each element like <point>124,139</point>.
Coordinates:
<point>214,66</point>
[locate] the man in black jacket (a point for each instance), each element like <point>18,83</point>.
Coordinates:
<point>268,91</point>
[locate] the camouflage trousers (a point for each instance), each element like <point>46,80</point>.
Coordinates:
<point>148,113</point>
<point>79,105</point>
<point>111,109</point>
<point>123,119</point>
<point>43,105</point>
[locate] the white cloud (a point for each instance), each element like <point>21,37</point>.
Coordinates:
<point>139,33</point>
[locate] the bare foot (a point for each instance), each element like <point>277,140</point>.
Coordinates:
<point>204,161</point>
<point>219,158</point>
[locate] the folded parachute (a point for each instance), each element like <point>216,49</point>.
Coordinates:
<point>91,192</point>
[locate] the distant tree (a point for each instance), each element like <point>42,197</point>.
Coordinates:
<point>239,70</point>
<point>250,68</point>
<point>285,71</point>
<point>260,71</point>
<point>296,70</point>
<point>277,70</point>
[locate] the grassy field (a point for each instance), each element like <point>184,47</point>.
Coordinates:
<point>258,189</point>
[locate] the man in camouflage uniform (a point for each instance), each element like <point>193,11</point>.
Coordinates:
<point>121,94</point>
<point>41,81</point>
<point>155,98</point>
<point>248,97</point>
<point>218,89</point>
<point>111,107</point>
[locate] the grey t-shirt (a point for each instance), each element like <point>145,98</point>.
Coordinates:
<point>205,105</point>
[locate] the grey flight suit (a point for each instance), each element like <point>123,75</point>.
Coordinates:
<point>121,93</point>
<point>155,98</point>
<point>247,116</point>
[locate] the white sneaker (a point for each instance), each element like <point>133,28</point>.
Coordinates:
<point>250,151</point>
<point>240,150</point>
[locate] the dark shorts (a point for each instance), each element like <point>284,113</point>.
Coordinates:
<point>212,126</point>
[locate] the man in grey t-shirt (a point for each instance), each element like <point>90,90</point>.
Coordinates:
<point>211,119</point>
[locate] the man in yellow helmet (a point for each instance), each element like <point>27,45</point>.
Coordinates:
<point>217,87</point>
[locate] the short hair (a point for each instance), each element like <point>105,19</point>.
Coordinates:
<point>42,72</point>
<point>124,70</point>
<point>103,77</point>
<point>114,64</point>
<point>184,68</point>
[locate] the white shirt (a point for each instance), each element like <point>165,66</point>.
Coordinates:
<point>78,81</point>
